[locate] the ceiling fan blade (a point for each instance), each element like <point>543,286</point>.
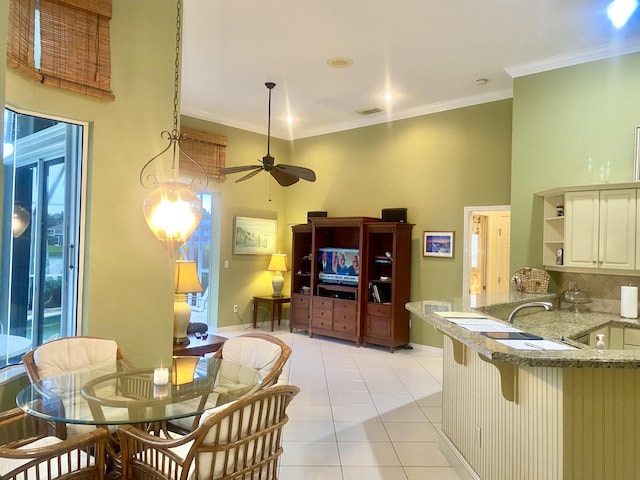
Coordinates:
<point>283,178</point>
<point>249,175</point>
<point>301,172</point>
<point>243,168</point>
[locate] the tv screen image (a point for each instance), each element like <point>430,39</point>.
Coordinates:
<point>339,265</point>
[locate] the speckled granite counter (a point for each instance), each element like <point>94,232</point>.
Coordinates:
<point>554,325</point>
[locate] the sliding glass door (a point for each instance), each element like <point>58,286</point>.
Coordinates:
<point>42,173</point>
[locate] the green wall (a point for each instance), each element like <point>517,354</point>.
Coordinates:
<point>433,165</point>
<point>127,275</point>
<point>568,126</point>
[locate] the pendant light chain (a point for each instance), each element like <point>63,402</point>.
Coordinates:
<point>176,83</point>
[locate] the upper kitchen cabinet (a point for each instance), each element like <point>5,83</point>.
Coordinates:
<point>591,229</point>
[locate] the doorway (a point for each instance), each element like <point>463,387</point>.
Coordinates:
<point>487,237</point>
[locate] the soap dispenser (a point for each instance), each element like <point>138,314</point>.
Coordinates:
<point>600,341</point>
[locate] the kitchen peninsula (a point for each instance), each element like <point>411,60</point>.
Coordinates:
<point>532,414</point>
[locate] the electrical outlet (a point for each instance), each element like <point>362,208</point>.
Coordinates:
<point>478,435</point>
<point>235,309</point>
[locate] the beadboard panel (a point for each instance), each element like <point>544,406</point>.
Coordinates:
<point>501,439</point>
<point>602,424</point>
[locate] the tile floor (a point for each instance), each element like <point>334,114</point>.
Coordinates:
<point>362,413</point>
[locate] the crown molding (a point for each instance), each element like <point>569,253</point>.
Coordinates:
<point>575,58</point>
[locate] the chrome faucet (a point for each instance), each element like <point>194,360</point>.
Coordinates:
<point>546,305</point>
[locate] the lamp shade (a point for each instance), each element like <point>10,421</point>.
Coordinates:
<point>278,263</point>
<point>186,278</point>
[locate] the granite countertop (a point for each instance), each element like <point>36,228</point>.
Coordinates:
<point>558,325</point>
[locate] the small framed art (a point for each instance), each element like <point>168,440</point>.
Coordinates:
<point>438,244</point>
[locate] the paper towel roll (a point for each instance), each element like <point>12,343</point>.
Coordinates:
<point>629,302</point>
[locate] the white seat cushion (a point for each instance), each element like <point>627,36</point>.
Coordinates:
<point>74,355</point>
<point>250,352</point>
<point>9,464</point>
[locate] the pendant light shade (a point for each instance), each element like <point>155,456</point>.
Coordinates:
<point>20,220</point>
<point>172,212</point>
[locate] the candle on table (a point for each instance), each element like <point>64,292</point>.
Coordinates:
<point>161,376</point>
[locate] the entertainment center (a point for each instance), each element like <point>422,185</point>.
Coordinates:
<point>351,279</point>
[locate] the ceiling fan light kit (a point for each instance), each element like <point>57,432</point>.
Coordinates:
<point>285,175</point>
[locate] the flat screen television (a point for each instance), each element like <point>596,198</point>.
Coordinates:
<point>339,266</point>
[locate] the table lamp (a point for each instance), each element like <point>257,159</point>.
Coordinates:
<point>278,264</point>
<point>186,281</point>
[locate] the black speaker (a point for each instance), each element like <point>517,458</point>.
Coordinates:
<point>394,215</point>
<point>315,214</point>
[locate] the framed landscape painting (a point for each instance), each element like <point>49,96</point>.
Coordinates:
<point>254,236</point>
<point>438,244</point>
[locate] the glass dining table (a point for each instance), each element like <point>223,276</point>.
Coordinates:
<point>118,393</point>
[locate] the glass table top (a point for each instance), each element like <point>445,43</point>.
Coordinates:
<point>118,393</point>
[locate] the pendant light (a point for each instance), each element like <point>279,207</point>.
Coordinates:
<point>172,209</point>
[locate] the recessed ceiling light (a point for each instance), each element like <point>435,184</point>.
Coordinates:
<point>481,81</point>
<point>619,11</point>
<point>339,62</point>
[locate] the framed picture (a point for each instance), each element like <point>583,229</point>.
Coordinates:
<point>636,152</point>
<point>254,236</point>
<point>438,244</point>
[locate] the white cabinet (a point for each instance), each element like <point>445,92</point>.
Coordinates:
<point>600,229</point>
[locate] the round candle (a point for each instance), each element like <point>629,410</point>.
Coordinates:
<point>161,376</point>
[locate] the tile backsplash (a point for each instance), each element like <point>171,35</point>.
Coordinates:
<point>604,290</point>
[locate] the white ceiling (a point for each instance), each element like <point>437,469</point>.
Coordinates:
<point>427,53</point>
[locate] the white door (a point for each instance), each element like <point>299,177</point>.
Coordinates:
<point>499,238</point>
<point>487,232</point>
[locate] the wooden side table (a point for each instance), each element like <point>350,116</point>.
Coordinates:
<point>275,307</point>
<point>198,347</point>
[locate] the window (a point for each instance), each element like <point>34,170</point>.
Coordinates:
<point>200,249</point>
<point>42,178</point>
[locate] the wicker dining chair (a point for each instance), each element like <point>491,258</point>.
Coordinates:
<point>27,452</point>
<point>71,354</point>
<point>240,440</point>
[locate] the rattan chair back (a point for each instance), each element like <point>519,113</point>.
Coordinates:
<point>240,440</point>
<point>27,452</point>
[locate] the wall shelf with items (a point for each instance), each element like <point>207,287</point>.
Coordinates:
<point>553,231</point>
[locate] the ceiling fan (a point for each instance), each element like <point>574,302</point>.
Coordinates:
<point>285,175</point>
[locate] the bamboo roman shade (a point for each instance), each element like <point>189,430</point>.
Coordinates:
<point>208,149</point>
<point>74,44</point>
